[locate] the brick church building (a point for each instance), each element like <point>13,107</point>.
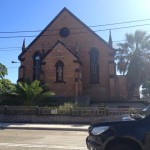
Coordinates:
<point>73,60</point>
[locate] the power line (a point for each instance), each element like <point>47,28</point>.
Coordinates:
<point>116,23</point>
<point>122,27</point>
<point>9,47</point>
<point>72,46</point>
<point>10,50</point>
<point>8,32</point>
<point>19,48</point>
<point>13,67</point>
<point>82,45</point>
<point>118,41</point>
<point>101,25</point>
<point>23,36</point>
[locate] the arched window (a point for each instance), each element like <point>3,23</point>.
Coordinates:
<point>59,71</point>
<point>94,65</point>
<point>36,66</point>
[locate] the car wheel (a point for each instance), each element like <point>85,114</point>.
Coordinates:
<point>121,147</point>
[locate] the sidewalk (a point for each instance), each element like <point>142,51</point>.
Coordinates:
<point>32,126</point>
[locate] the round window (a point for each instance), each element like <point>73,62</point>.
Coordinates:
<point>64,32</point>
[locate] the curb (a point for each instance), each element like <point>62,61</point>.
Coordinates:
<point>32,128</point>
<point>44,127</point>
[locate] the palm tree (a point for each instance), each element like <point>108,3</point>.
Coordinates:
<point>30,93</point>
<point>133,57</point>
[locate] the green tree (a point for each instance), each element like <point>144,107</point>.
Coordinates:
<point>146,90</point>
<point>29,93</point>
<point>3,70</point>
<point>133,58</point>
<point>6,86</point>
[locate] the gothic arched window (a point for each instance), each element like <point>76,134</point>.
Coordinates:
<point>59,71</point>
<point>94,65</point>
<point>36,67</point>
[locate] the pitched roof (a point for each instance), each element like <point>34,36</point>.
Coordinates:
<point>66,48</point>
<point>64,9</point>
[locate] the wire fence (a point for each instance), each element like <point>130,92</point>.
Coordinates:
<point>35,110</point>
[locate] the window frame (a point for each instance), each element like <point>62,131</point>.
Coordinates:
<point>36,66</point>
<point>94,65</point>
<point>59,65</point>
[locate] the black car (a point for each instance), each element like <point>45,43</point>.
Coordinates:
<point>126,132</point>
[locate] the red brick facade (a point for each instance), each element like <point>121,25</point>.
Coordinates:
<point>73,50</point>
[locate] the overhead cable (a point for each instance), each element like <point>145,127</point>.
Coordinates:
<point>23,36</point>
<point>101,25</point>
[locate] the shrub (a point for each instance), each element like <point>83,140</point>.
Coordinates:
<point>66,108</point>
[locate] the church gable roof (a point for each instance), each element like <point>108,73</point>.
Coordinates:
<point>77,19</point>
<point>60,42</point>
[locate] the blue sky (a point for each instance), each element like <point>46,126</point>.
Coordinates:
<point>23,15</point>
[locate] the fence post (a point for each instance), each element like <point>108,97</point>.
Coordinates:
<point>5,109</point>
<point>37,110</point>
<point>70,111</point>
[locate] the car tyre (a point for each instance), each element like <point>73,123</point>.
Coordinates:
<point>121,147</point>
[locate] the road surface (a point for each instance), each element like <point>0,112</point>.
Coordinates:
<point>12,139</point>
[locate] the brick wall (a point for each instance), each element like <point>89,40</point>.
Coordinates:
<point>60,119</point>
<point>60,53</point>
<point>85,39</point>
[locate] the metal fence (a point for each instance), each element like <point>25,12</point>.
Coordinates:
<point>35,110</point>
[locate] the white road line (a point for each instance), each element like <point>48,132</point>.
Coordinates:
<point>42,146</point>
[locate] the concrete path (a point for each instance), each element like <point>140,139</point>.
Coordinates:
<point>66,127</point>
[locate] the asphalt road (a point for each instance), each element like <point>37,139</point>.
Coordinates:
<point>11,139</point>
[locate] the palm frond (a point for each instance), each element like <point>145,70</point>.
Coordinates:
<point>30,92</point>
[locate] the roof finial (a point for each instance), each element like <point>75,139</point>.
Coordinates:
<point>23,45</point>
<point>110,39</point>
